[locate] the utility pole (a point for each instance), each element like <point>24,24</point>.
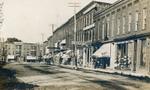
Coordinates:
<point>2,48</point>
<point>75,5</point>
<point>42,36</point>
<point>52,28</point>
<point>42,47</point>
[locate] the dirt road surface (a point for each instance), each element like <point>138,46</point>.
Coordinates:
<point>16,76</point>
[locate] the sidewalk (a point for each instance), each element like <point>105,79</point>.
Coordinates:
<point>111,71</point>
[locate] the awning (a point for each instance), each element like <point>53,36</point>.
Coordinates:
<point>65,56</point>
<point>46,56</point>
<point>10,57</point>
<point>58,54</point>
<point>31,58</point>
<point>103,51</point>
<point>68,52</point>
<point>124,42</point>
<point>63,42</point>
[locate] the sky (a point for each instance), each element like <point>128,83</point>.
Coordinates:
<point>28,20</point>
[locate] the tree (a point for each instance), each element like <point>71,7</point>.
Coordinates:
<point>12,40</point>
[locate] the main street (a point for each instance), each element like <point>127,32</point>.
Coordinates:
<point>45,77</point>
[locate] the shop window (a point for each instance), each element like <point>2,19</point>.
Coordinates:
<point>143,53</point>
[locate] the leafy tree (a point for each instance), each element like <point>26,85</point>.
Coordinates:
<point>12,40</point>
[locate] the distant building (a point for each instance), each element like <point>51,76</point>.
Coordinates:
<point>20,51</point>
<point>10,51</point>
<point>45,48</point>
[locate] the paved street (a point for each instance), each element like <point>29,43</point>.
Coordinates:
<point>43,77</point>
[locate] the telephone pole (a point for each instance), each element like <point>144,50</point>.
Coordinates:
<point>75,5</point>
<point>52,28</point>
<point>2,46</point>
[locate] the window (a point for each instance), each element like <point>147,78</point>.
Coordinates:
<point>89,35</point>
<point>118,26</point>
<point>92,35</point>
<point>108,26</point>
<point>124,24</point>
<point>130,4</point>
<point>81,36</point>
<point>144,19</point>
<point>84,21</point>
<point>130,22</point>
<point>136,20</point>
<point>136,1</point>
<point>123,7</point>
<point>113,25</point>
<point>92,17</point>
<point>103,29</point>
<point>99,28</point>
<point>143,53</point>
<point>89,19</point>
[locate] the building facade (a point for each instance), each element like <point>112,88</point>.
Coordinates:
<point>85,33</point>
<point>125,24</point>
<point>20,51</point>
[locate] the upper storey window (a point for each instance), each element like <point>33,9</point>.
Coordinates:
<point>103,29</point>
<point>124,24</point>
<point>136,1</point>
<point>136,20</point>
<point>144,18</point>
<point>112,25</point>
<point>130,22</point>
<point>118,26</point>
<point>108,26</point>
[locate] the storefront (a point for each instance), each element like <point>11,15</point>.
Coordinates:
<point>87,56</point>
<point>11,58</point>
<point>104,56</point>
<point>133,55</point>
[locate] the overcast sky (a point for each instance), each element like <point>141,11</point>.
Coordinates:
<point>28,19</point>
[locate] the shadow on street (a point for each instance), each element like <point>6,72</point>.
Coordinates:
<point>48,70</point>
<point>8,81</point>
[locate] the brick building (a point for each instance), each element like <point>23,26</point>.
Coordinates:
<point>125,25</point>
<point>64,35</point>
<point>20,51</point>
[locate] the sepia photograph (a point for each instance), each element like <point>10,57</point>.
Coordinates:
<point>74,44</point>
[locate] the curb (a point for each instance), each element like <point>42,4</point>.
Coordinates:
<point>131,75</point>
